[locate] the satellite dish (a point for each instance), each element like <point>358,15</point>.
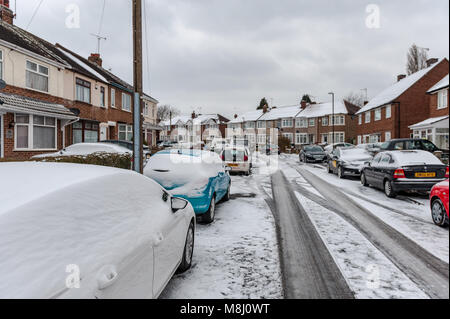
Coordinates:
<point>2,84</point>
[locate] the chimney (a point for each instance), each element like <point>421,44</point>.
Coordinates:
<point>400,77</point>
<point>431,61</point>
<point>6,14</point>
<point>366,102</point>
<point>265,108</point>
<point>194,116</point>
<point>303,105</point>
<point>95,58</point>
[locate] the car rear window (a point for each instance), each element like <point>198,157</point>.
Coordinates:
<point>231,154</point>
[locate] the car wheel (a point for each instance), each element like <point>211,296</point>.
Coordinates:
<point>438,213</point>
<point>341,173</point>
<point>227,196</point>
<point>186,262</point>
<point>389,190</point>
<point>364,180</point>
<point>210,215</point>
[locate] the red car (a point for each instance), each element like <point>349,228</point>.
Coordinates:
<point>439,203</point>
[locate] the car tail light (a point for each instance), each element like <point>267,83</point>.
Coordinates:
<point>245,158</point>
<point>223,157</point>
<point>399,173</point>
<point>447,173</point>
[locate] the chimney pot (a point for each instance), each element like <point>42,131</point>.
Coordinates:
<point>6,14</point>
<point>194,115</point>
<point>303,105</point>
<point>431,61</point>
<point>236,116</point>
<point>366,102</point>
<point>95,58</point>
<point>401,77</point>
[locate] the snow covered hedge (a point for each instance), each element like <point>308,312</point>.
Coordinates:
<point>101,159</point>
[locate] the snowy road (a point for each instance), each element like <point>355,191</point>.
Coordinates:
<point>303,233</point>
<point>236,256</point>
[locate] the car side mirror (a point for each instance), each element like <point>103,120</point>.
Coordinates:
<point>178,204</point>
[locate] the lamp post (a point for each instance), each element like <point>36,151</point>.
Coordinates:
<point>332,117</point>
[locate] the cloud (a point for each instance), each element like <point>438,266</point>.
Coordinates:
<point>224,56</point>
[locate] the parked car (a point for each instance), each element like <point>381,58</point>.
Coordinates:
<point>329,148</point>
<point>272,149</point>
<point>373,148</point>
<point>312,153</point>
<point>347,161</point>
<point>84,149</point>
<point>395,171</point>
<point>238,159</point>
<point>197,176</point>
<point>110,232</point>
<point>165,144</point>
<point>130,146</point>
<point>414,144</point>
<point>439,203</point>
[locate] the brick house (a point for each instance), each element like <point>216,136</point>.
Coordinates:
<point>435,128</point>
<point>279,121</point>
<point>314,124</point>
<point>391,113</point>
<point>245,127</point>
<point>55,98</point>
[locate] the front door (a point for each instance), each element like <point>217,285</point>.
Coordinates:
<point>103,133</point>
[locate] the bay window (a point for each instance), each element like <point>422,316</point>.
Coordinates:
<point>36,76</point>
<point>33,132</point>
<point>301,138</point>
<point>83,91</point>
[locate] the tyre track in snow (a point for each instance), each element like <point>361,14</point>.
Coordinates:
<point>309,270</point>
<point>429,272</point>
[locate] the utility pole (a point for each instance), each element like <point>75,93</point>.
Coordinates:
<point>137,67</point>
<point>332,117</point>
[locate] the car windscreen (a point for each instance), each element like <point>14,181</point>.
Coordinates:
<point>313,149</point>
<point>234,155</point>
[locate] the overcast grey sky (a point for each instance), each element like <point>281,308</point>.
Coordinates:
<point>225,55</point>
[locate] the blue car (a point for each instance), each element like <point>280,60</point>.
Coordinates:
<point>197,176</point>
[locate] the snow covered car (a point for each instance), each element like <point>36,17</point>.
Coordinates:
<point>439,203</point>
<point>329,148</point>
<point>197,176</point>
<point>348,161</point>
<point>238,159</point>
<point>83,231</point>
<point>83,149</point>
<point>395,171</point>
<point>312,153</point>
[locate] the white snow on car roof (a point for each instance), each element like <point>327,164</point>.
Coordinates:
<point>395,90</point>
<point>440,85</point>
<point>323,109</point>
<point>406,158</point>
<point>25,182</point>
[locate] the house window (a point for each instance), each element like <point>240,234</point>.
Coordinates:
<point>325,121</point>
<point>368,117</point>
<point>90,132</point>
<point>376,138</point>
<point>301,122</point>
<point>1,65</point>
<point>113,98</point>
<point>286,123</point>
<point>36,76</point>
<point>359,139</point>
<point>289,136</point>
<point>126,102</point>
<point>249,125</point>
<point>442,99</point>
<point>339,137</point>
<point>125,132</point>
<point>261,139</point>
<point>77,131</point>
<point>377,114</point>
<point>34,132</point>
<point>338,120</point>
<point>387,136</point>
<point>145,109</point>
<point>83,91</point>
<point>360,119</point>
<point>261,124</point>
<point>102,97</point>
<point>388,111</point>
<point>312,122</point>
<point>301,138</point>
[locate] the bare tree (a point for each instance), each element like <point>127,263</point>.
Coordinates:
<point>357,99</point>
<point>164,112</point>
<point>417,59</point>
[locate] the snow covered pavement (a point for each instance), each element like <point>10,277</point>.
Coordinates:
<point>236,256</point>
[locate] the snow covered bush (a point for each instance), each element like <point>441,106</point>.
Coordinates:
<point>102,159</point>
